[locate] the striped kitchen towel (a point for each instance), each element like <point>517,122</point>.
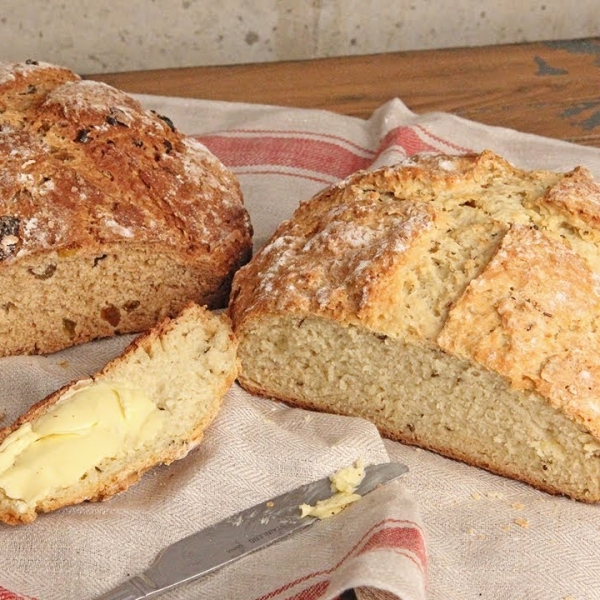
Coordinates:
<point>444,531</point>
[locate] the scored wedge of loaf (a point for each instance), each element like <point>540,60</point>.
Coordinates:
<point>452,300</point>
<point>184,365</point>
<point>110,217</point>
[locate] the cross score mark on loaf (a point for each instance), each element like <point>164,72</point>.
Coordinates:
<point>533,315</point>
<point>453,301</point>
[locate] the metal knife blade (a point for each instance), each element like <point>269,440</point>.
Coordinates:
<point>239,535</point>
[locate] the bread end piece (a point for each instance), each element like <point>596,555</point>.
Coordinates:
<point>184,366</point>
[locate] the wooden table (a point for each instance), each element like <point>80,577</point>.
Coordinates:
<point>551,88</point>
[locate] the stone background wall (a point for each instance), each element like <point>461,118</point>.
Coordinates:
<point>93,36</point>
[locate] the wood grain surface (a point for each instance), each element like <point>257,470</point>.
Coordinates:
<point>547,88</point>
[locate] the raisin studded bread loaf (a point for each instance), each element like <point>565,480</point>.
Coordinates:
<point>110,218</point>
<point>454,301</point>
<point>97,436</point>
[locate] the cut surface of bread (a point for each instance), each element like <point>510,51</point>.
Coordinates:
<point>95,437</point>
<point>110,218</point>
<point>454,301</point>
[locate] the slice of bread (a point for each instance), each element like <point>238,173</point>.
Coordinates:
<point>454,301</point>
<point>181,370</point>
<point>110,217</point>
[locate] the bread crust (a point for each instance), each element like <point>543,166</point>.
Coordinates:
<point>392,206</point>
<point>378,251</point>
<point>86,174</point>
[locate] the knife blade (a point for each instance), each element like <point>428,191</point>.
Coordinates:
<point>238,535</point>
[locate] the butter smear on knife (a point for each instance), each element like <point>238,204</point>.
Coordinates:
<point>344,484</point>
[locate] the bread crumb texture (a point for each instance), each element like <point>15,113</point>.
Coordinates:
<point>97,436</point>
<point>452,300</point>
<point>524,523</point>
<point>110,218</point>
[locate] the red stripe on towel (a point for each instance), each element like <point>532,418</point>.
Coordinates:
<point>398,536</point>
<point>6,595</point>
<point>321,157</point>
<point>301,153</point>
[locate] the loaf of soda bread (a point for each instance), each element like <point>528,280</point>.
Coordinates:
<point>454,301</point>
<point>95,437</point>
<point>110,218</point>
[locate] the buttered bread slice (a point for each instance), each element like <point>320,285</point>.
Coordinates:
<point>97,436</point>
<point>452,300</point>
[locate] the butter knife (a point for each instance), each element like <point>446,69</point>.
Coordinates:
<point>239,535</point>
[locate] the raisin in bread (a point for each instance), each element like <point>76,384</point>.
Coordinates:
<point>452,300</point>
<point>110,218</point>
<point>96,436</point>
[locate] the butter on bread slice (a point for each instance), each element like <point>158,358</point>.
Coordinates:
<point>95,437</point>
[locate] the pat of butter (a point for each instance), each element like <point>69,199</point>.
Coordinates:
<point>87,425</point>
<point>344,484</point>
<point>346,480</point>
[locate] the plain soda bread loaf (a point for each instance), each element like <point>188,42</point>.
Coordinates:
<point>110,218</point>
<point>452,300</point>
<point>96,436</point>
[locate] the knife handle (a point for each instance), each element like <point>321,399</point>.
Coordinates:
<point>136,588</point>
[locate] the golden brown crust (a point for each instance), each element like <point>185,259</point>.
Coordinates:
<point>86,171</point>
<point>379,251</point>
<point>23,86</point>
<point>533,316</point>
<point>356,245</point>
<point>577,197</point>
<point>336,255</point>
